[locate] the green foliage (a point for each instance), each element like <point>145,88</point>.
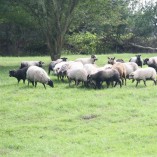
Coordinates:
<point>143,21</point>
<point>75,121</point>
<point>83,42</point>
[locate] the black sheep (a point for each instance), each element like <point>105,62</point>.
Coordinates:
<point>20,74</point>
<point>108,75</point>
<point>138,60</point>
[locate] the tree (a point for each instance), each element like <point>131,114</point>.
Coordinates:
<point>54,18</point>
<point>14,25</point>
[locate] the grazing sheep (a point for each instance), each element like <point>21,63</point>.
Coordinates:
<point>36,74</point>
<point>78,75</point>
<point>31,63</point>
<point>151,62</point>
<point>90,60</point>
<point>143,74</point>
<point>138,60</point>
<point>53,63</point>
<point>20,74</point>
<point>108,75</point>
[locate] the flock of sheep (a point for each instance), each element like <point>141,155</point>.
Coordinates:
<point>86,71</point>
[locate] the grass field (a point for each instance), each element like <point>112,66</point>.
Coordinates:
<point>74,121</point>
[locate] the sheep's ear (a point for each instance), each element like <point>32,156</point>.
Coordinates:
<point>108,57</point>
<point>113,58</point>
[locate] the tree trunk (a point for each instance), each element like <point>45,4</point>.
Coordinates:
<point>55,47</point>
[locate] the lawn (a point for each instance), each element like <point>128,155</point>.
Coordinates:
<point>75,121</point>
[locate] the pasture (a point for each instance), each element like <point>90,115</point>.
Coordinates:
<point>75,121</point>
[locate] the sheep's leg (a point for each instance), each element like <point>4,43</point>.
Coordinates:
<point>43,85</point>
<point>154,82</point>
<point>108,83</point>
<point>125,80</point>
<point>120,83</point>
<point>122,80</point>
<point>144,82</point>
<point>18,81</point>
<point>137,83</point>
<point>99,85</point>
<point>28,82</point>
<point>35,84</point>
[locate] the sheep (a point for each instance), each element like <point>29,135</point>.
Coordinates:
<point>62,70</point>
<point>108,75</point>
<point>78,75</point>
<point>120,67</point>
<point>90,60</point>
<point>129,66</point>
<point>53,63</point>
<point>19,74</point>
<point>137,59</point>
<point>57,68</point>
<point>151,62</point>
<point>37,74</point>
<point>143,74</point>
<point>31,63</point>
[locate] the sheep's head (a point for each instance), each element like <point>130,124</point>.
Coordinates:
<point>94,57</point>
<point>111,60</point>
<point>64,59</point>
<point>12,73</point>
<point>41,63</point>
<point>131,76</point>
<point>90,81</point>
<point>145,61</point>
<point>138,57</point>
<point>50,83</point>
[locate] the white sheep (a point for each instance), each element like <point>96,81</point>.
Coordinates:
<point>53,63</point>
<point>143,74</point>
<point>78,75</point>
<point>130,67</point>
<point>36,74</point>
<point>90,60</point>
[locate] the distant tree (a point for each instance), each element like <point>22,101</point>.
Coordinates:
<point>144,21</point>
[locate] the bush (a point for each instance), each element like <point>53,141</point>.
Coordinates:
<point>83,43</point>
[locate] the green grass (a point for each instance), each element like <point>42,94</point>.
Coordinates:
<point>74,121</point>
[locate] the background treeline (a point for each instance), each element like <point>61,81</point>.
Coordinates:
<point>52,27</point>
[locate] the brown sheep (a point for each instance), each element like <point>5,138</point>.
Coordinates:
<point>119,67</point>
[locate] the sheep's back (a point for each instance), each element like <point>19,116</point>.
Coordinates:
<point>37,74</point>
<point>144,73</point>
